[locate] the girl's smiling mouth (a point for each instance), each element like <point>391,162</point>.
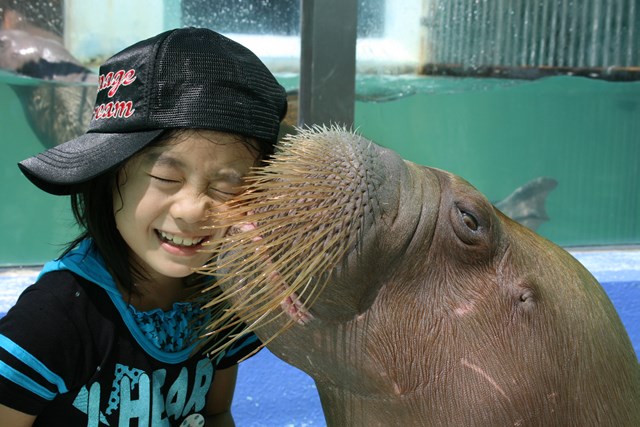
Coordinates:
<point>182,241</point>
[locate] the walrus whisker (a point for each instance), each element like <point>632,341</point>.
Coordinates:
<point>211,330</point>
<point>266,294</point>
<point>252,301</point>
<point>231,292</point>
<point>266,244</point>
<point>316,291</point>
<point>242,310</point>
<point>313,291</point>
<point>226,323</point>
<point>252,326</point>
<point>233,258</point>
<point>309,208</point>
<point>248,262</point>
<point>285,328</point>
<point>221,299</point>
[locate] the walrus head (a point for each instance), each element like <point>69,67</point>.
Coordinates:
<point>410,299</point>
<point>301,220</point>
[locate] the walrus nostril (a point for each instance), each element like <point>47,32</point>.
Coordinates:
<point>527,296</point>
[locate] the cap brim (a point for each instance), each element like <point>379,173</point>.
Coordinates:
<point>61,168</point>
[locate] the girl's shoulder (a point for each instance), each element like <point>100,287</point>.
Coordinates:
<point>62,283</point>
<point>55,335</point>
<point>67,306</point>
<point>67,291</point>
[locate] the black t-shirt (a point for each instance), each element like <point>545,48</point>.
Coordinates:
<point>67,355</point>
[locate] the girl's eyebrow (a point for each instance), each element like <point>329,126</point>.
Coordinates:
<point>163,159</point>
<point>228,174</point>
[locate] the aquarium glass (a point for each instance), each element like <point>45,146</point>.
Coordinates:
<point>578,125</point>
<point>500,134</point>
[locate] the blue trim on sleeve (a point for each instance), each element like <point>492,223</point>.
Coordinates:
<point>251,338</point>
<point>32,362</point>
<point>25,382</point>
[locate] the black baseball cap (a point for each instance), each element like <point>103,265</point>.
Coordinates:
<point>182,78</point>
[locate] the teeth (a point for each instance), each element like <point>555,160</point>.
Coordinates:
<point>182,241</point>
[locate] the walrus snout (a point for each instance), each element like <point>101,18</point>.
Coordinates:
<point>313,205</point>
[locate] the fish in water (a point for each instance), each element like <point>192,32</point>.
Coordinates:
<point>411,300</point>
<point>59,106</point>
<point>526,204</point>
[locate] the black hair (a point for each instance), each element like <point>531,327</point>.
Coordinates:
<point>92,207</point>
<point>93,210</point>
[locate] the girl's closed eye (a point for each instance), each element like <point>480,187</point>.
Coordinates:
<point>164,179</point>
<point>224,192</point>
<point>164,174</point>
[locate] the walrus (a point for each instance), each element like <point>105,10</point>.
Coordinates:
<point>59,105</point>
<point>411,300</point>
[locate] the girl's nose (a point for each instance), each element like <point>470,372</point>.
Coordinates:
<point>191,207</point>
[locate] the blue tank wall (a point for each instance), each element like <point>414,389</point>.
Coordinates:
<point>271,393</point>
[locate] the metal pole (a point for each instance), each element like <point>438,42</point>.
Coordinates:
<point>327,62</point>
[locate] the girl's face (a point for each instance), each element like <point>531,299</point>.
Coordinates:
<point>165,193</point>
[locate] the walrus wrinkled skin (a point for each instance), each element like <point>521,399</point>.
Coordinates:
<point>442,311</point>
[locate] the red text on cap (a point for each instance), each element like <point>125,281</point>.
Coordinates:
<point>114,80</point>
<point>117,109</point>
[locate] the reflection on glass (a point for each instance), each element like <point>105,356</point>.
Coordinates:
<point>275,17</point>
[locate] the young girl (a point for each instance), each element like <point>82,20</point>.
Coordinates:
<point>106,336</point>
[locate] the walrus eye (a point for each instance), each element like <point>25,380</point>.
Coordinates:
<point>469,220</point>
